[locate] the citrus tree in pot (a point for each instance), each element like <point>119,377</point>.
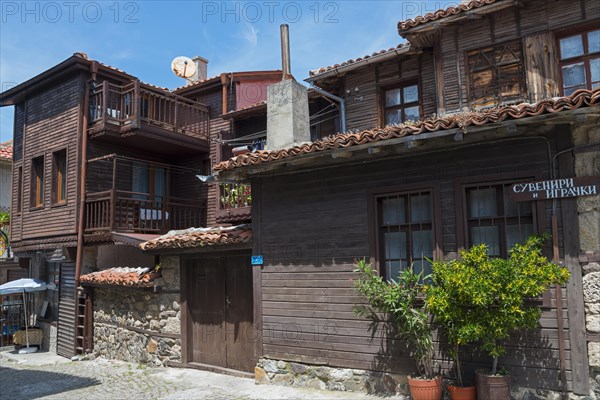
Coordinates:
<point>491,299</point>
<point>402,303</point>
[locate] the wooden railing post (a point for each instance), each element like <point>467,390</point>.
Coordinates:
<point>105,94</point>
<point>175,117</point>
<point>137,103</point>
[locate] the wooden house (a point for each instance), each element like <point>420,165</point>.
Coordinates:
<point>483,96</point>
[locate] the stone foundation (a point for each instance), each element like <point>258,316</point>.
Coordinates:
<point>284,373</point>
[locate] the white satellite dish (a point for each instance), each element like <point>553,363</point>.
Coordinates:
<point>183,67</point>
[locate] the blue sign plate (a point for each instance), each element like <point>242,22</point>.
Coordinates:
<point>257,260</point>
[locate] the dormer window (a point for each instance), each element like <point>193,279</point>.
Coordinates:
<point>580,61</point>
<point>401,103</point>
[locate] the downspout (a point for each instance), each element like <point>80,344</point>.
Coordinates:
<point>83,173</point>
<point>339,100</point>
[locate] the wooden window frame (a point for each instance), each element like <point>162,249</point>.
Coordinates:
<point>399,85</point>
<point>584,58</point>
<point>498,101</point>
<point>375,238</point>
<point>37,182</point>
<point>59,178</point>
<point>19,204</point>
<point>461,198</point>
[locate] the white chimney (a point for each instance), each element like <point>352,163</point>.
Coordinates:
<point>287,106</point>
<point>201,69</point>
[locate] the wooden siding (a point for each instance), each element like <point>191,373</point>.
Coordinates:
<point>49,122</point>
<point>317,225</point>
<point>538,20</point>
<point>363,105</point>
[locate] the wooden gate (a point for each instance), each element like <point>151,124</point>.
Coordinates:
<point>220,327</point>
<point>66,311</point>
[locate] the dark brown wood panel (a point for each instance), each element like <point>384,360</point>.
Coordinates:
<point>317,226</point>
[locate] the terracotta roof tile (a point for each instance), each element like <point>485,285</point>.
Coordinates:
<point>122,276</point>
<point>200,237</point>
<point>6,150</point>
<point>443,13</point>
<point>247,109</point>
<point>322,70</point>
<point>581,98</point>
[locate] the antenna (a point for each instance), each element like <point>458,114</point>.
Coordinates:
<point>183,67</point>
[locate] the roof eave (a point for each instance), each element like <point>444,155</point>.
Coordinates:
<point>359,64</point>
<point>436,24</point>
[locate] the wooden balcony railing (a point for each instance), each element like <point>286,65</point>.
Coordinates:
<point>235,202</point>
<point>128,106</point>
<point>122,211</point>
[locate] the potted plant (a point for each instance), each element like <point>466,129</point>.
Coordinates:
<point>451,310</point>
<point>402,303</point>
<point>492,300</point>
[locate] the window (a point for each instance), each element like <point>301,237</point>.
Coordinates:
<point>580,61</point>
<point>405,232</point>
<point>401,104</point>
<point>149,183</point>
<point>37,182</point>
<point>493,218</point>
<point>496,75</point>
<point>59,177</point>
<point>19,189</point>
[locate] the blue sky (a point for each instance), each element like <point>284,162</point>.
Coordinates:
<point>142,37</point>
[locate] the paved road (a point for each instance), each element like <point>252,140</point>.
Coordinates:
<point>51,377</point>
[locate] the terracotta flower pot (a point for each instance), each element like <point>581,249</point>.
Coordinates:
<point>462,393</point>
<point>492,387</point>
<point>425,389</point>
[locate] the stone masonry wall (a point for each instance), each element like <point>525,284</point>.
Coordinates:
<point>587,163</point>
<point>140,326</point>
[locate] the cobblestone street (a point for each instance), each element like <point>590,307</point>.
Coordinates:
<point>55,378</point>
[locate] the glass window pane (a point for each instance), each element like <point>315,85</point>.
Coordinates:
<point>392,97</point>
<point>420,208</point>
<point>411,113</point>
<point>488,235</point>
<point>593,41</point>
<point>517,233</point>
<point>393,117</point>
<point>571,47</point>
<point>422,244</point>
<point>595,68</point>
<point>482,203</point>
<point>573,75</point>
<point>393,211</point>
<point>411,93</point>
<point>516,208</point>
<point>422,266</point>
<point>393,268</point>
<point>395,245</point>
<point>571,90</point>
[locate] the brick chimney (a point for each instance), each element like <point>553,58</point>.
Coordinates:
<point>287,105</point>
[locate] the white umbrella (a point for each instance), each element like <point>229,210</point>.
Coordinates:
<point>23,285</point>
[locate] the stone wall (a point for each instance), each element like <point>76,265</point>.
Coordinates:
<point>285,373</point>
<point>137,325</point>
<point>587,163</point>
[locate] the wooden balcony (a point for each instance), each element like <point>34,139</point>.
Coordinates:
<point>137,108</point>
<point>235,203</point>
<point>121,211</point>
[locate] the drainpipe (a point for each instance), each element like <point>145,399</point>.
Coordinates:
<point>335,98</point>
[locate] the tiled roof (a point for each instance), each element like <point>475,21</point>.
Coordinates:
<point>122,276</point>
<point>6,150</point>
<point>244,110</point>
<point>444,13</point>
<point>581,98</point>
<point>322,70</point>
<point>200,237</point>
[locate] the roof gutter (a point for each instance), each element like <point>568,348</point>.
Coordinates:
<point>336,98</point>
<point>359,64</point>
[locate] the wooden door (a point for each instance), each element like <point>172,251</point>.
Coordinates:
<point>218,298</point>
<point>66,311</point>
<point>239,325</point>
